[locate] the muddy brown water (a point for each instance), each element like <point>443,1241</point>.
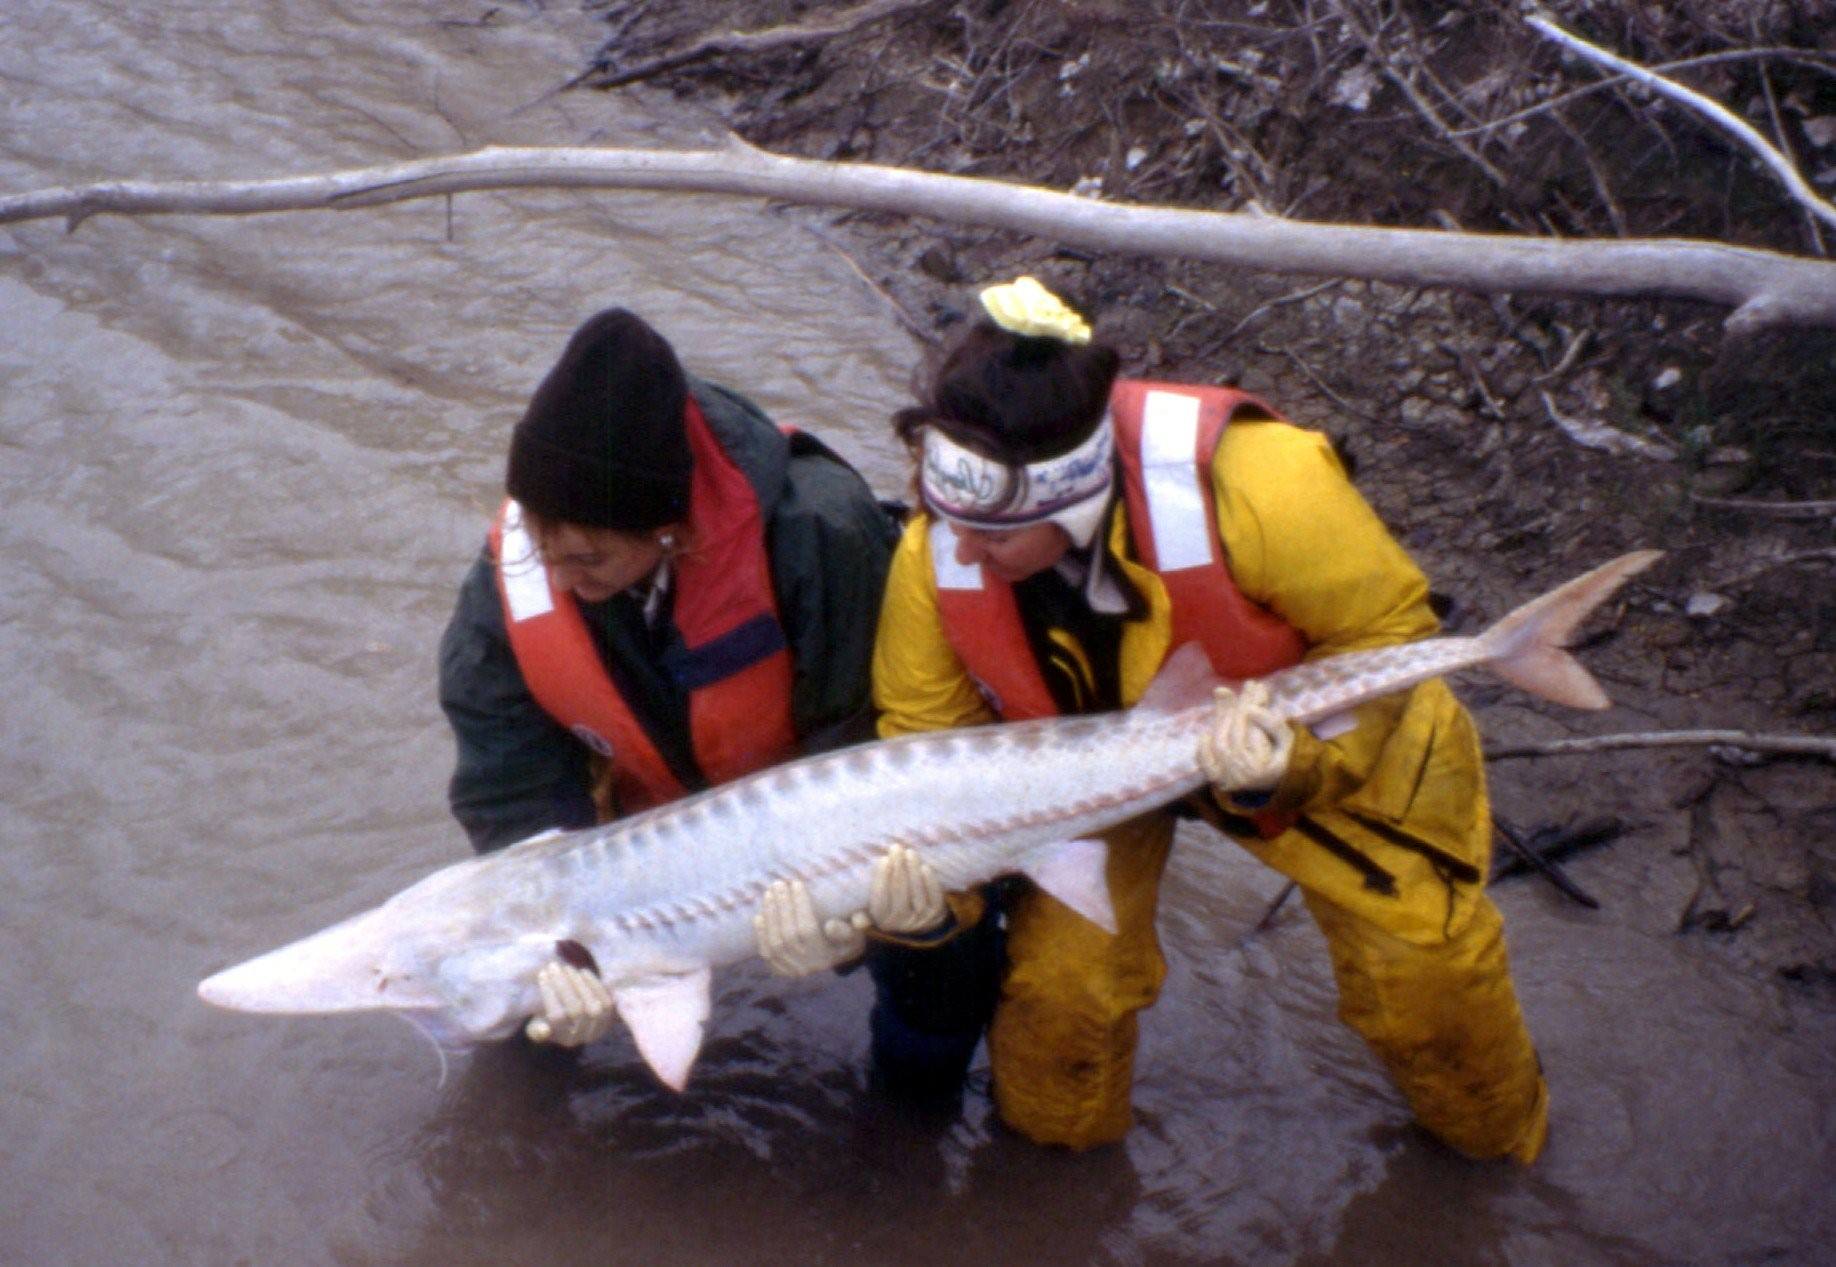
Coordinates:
<point>243,463</point>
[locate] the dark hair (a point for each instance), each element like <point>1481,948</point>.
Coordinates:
<point>1012,397</point>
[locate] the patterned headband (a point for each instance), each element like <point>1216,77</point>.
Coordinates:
<point>963,486</point>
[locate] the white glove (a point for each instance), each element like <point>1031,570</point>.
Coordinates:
<point>906,897</point>
<point>793,942</point>
<point>1248,745</point>
<point>576,1007</point>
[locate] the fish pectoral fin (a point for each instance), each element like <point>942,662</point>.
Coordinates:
<point>1333,726</point>
<point>1074,872</point>
<point>666,1016</point>
<point>1185,679</point>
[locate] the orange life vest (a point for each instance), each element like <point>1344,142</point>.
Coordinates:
<point>1166,436</point>
<point>737,669</point>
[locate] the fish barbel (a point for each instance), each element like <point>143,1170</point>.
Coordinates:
<point>661,898</point>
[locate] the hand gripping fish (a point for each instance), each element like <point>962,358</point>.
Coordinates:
<point>661,898</point>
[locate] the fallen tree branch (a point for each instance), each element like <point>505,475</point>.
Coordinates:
<point>1764,288</point>
<point>1799,745</point>
<point>740,42</point>
<point>1799,188</point>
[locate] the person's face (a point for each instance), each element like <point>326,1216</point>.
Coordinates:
<point>1012,554</point>
<point>596,563</point>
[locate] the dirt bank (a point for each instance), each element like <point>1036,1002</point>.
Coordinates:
<point>1370,111</point>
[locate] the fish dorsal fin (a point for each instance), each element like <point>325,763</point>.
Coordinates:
<point>1073,871</point>
<point>666,1016</point>
<point>1185,679</point>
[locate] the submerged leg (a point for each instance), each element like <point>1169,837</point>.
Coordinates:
<point>1063,1039</point>
<point>1445,1021</point>
<point>931,1006</point>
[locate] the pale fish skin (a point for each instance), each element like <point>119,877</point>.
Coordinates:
<point>661,898</point>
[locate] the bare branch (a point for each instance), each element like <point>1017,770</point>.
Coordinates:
<point>1764,288</point>
<point>750,42</point>
<point>1716,113</point>
<point>1798,745</point>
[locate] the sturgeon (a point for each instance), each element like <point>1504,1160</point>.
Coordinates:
<point>660,899</point>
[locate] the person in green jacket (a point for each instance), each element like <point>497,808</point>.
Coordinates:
<point>675,593</point>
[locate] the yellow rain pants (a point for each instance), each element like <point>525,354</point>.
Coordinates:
<point>1444,1020</point>
<point>1062,1043</point>
<point>1391,839</point>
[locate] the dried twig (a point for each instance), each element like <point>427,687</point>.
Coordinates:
<point>741,42</point>
<point>1406,84</point>
<point>1313,376</point>
<point>1554,842</point>
<point>1783,143</point>
<point>1570,354</point>
<point>1544,866</point>
<point>1774,563</point>
<point>1293,297</point>
<point>912,324</point>
<point>1785,53</point>
<point>1775,510</point>
<point>1597,435</point>
<point>1796,745</point>
<point>1268,916</point>
<point>1594,171</point>
<point>1799,188</point>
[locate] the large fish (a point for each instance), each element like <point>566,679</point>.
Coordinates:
<point>661,898</point>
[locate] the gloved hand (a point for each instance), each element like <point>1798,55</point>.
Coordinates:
<point>793,942</point>
<point>576,1007</point>
<point>1248,745</point>
<point>906,897</point>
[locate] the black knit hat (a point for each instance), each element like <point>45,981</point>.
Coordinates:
<point>602,442</point>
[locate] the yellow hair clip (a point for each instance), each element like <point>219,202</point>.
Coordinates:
<point>1024,307</point>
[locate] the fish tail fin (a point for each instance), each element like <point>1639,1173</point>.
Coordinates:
<point>1526,647</point>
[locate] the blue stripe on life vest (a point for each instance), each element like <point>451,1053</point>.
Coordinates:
<point>740,647</point>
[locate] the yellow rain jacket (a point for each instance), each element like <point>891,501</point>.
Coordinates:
<point>1390,845</point>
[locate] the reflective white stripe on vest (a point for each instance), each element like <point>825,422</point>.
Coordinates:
<point>1170,474</point>
<point>520,564</point>
<point>951,574</point>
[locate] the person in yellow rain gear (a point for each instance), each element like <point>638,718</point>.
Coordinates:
<point>1076,529</point>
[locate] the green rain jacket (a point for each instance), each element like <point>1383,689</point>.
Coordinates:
<point>518,772</point>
